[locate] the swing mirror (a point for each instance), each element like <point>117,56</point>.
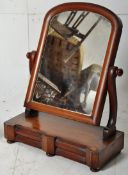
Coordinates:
<point>69,74</point>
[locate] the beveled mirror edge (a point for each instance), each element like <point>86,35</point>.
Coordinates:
<point>108,61</point>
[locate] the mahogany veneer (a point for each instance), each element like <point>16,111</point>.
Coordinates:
<point>59,136</point>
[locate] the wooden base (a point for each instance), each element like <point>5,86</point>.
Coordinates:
<point>59,136</point>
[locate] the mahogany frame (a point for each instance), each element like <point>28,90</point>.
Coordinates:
<point>35,57</point>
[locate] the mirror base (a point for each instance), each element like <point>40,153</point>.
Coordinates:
<point>30,112</point>
<point>54,135</point>
<point>108,132</point>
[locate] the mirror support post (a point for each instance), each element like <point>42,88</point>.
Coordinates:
<point>31,56</point>
<point>110,129</point>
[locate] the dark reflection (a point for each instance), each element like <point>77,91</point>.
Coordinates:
<point>66,76</point>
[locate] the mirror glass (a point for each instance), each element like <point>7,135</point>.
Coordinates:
<point>72,60</point>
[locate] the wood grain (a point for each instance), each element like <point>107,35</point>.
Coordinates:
<point>74,140</point>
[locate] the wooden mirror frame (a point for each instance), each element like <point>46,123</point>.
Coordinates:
<point>109,72</point>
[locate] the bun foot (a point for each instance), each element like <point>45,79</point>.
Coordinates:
<point>50,155</point>
<point>94,170</point>
<point>10,141</point>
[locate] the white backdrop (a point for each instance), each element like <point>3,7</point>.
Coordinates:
<point>20,25</point>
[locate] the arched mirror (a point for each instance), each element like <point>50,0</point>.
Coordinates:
<point>75,52</point>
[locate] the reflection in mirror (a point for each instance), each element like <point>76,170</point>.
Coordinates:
<point>72,61</point>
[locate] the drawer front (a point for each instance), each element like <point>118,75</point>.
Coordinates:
<point>29,133</point>
<point>70,150</point>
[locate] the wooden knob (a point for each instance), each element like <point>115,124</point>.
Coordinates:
<point>28,55</point>
<point>31,54</point>
<point>119,72</point>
